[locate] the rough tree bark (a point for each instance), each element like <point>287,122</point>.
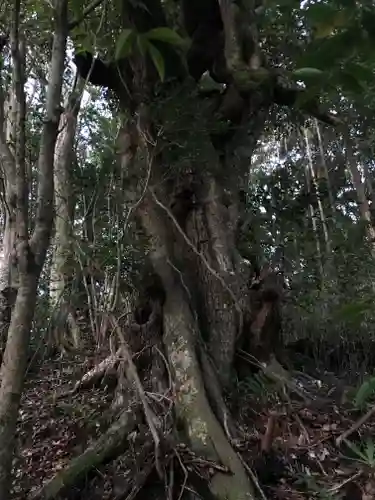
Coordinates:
<point>29,253</point>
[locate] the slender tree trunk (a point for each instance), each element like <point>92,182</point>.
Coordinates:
<point>314,225</point>
<point>370,189</point>
<point>325,168</point>
<point>8,267</point>
<point>29,253</point>
<point>8,270</point>
<point>63,268</point>
<point>359,186</point>
<point>312,176</point>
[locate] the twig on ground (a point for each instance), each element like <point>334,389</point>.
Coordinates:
<point>355,426</point>
<point>253,478</point>
<point>184,470</point>
<point>337,487</point>
<point>267,439</point>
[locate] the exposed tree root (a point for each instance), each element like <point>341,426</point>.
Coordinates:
<point>215,396</point>
<point>106,447</point>
<point>204,431</point>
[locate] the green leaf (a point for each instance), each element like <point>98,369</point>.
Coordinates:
<point>124,44</point>
<point>365,392</point>
<point>353,311</point>
<point>363,72</point>
<point>327,27</point>
<point>355,449</point>
<point>77,8</point>
<point>85,42</point>
<point>158,60</point>
<point>370,450</point>
<point>143,44</point>
<point>165,35</point>
<point>307,72</point>
<point>349,81</point>
<point>368,20</point>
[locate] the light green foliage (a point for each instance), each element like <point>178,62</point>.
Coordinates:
<point>365,393</point>
<point>125,43</point>
<point>158,60</point>
<point>167,35</point>
<point>314,488</point>
<point>363,453</point>
<point>307,73</point>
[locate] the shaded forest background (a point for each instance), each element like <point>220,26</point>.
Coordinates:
<point>188,242</point>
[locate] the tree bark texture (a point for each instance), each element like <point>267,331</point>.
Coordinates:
<point>30,253</point>
<point>181,337</point>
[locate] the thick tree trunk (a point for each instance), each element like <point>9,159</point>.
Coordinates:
<point>182,336</point>
<point>12,371</point>
<point>190,220</point>
<point>192,154</point>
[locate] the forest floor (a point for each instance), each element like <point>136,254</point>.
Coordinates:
<point>290,445</point>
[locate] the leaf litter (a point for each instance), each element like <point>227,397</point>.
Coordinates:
<point>292,448</point>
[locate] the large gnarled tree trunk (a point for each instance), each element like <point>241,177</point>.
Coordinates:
<point>190,219</point>
<point>193,151</point>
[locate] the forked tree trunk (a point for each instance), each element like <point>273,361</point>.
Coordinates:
<point>63,268</point>
<point>30,253</point>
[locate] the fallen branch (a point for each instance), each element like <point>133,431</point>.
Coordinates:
<point>96,374</point>
<point>111,444</point>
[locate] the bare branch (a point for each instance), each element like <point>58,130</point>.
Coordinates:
<point>90,8</point>
<point>290,97</point>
